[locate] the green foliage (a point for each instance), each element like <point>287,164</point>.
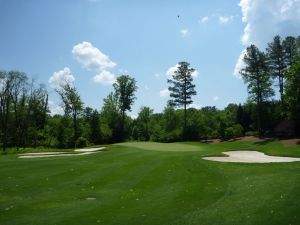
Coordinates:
<point>290,49</point>
<point>182,89</point>
<point>234,131</point>
<point>141,129</point>
<point>293,93</point>
<point>256,75</point>
<point>72,105</point>
<point>63,133</point>
<point>81,142</point>
<point>25,119</point>
<point>277,61</point>
<point>125,88</point>
<point>111,118</point>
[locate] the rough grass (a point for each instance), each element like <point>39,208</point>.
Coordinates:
<point>133,185</point>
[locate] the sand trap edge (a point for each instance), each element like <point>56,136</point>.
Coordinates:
<point>250,157</point>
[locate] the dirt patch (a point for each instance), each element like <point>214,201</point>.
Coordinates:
<point>290,142</point>
<point>250,157</point>
<point>211,141</point>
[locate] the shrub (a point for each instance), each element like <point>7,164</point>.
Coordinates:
<point>81,142</point>
<point>234,131</point>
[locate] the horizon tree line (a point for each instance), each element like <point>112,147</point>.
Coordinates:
<point>25,119</point>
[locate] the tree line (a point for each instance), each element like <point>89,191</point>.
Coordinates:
<point>25,119</point>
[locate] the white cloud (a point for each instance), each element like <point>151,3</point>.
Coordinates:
<point>195,106</point>
<point>55,109</point>
<point>184,32</point>
<point>264,19</point>
<point>172,70</point>
<point>204,19</point>
<point>133,116</point>
<point>61,77</point>
<point>164,93</point>
<point>91,57</point>
<point>157,75</point>
<point>104,77</point>
<point>216,98</point>
<point>239,64</point>
<point>225,19</point>
<point>195,74</point>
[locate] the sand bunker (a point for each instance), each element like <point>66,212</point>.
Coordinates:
<point>250,157</point>
<point>77,152</point>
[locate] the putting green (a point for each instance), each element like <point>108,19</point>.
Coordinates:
<point>167,147</point>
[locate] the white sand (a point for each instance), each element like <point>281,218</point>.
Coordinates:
<point>250,157</point>
<point>44,153</point>
<point>89,149</point>
<point>83,151</point>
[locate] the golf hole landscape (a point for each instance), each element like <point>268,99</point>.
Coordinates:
<point>173,112</point>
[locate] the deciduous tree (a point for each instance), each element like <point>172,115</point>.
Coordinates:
<point>125,87</point>
<point>72,105</point>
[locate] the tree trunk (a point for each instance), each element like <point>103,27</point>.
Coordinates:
<point>75,127</point>
<point>5,125</point>
<point>258,110</point>
<point>122,126</point>
<point>184,131</point>
<point>280,78</point>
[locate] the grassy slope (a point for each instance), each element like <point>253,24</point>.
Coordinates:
<point>133,185</point>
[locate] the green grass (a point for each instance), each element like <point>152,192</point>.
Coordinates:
<point>152,184</point>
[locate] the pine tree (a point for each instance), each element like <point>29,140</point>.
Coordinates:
<point>256,75</point>
<point>277,62</point>
<point>182,88</point>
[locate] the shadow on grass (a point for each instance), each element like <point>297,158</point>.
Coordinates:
<point>264,141</point>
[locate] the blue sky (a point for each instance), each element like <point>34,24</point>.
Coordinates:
<point>91,42</point>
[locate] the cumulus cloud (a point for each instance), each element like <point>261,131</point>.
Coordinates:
<point>164,93</point>
<point>195,106</point>
<point>195,74</point>
<point>61,77</point>
<point>264,19</point>
<point>239,64</point>
<point>204,19</point>
<point>225,19</point>
<point>184,32</point>
<point>91,57</point>
<point>172,70</point>
<point>104,77</point>
<point>216,98</point>
<point>55,109</point>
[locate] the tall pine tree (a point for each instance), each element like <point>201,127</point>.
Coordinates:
<point>182,89</point>
<point>256,75</point>
<point>277,62</point>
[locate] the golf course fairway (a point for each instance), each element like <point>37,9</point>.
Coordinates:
<point>146,183</point>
